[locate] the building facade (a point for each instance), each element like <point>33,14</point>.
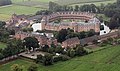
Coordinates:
<point>87,22</point>
<point>43,40</point>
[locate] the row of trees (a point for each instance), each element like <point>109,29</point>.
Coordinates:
<point>13,48</point>
<point>54,7</point>
<point>5,32</point>
<point>112,11</point>
<point>64,34</point>
<point>5,2</point>
<point>64,54</point>
<point>109,10</point>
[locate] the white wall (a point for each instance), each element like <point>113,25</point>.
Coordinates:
<point>37,26</point>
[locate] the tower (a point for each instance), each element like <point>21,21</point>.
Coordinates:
<point>96,24</point>
<point>43,23</point>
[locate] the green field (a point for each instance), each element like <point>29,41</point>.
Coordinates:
<point>4,17</point>
<point>104,60</point>
<point>7,11</point>
<point>18,9</point>
<point>81,2</point>
<point>16,1</point>
<point>2,45</point>
<point>32,6</point>
<point>96,3</point>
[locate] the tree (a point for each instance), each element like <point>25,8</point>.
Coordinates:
<point>54,7</point>
<point>118,2</point>
<point>81,35</point>
<point>90,33</point>
<point>72,53</point>
<point>114,22</point>
<point>45,48</point>
<point>58,49</point>
<point>62,35</point>
<point>1,56</point>
<point>43,12</point>
<point>47,59</point>
<point>39,59</point>
<point>76,8</point>
<point>51,50</point>
<point>27,29</point>
<point>33,67</point>
<point>80,50</point>
<point>2,24</point>
<point>118,41</point>
<point>5,2</point>
<point>16,67</point>
<point>89,8</point>
<point>31,42</point>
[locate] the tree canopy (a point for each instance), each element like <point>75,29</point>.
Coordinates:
<point>5,2</point>
<point>31,42</point>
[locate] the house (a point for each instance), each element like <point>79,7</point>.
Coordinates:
<point>88,40</point>
<point>43,40</point>
<point>71,42</point>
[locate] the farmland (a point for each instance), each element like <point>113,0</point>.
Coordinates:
<point>17,9</point>
<point>6,12</point>
<point>79,2</point>
<point>97,3</point>
<point>32,6</point>
<point>104,60</point>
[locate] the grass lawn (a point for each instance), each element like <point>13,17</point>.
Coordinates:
<point>32,6</point>
<point>2,45</point>
<point>4,17</point>
<point>16,1</point>
<point>7,11</point>
<point>104,60</point>
<point>96,3</point>
<point>18,10</point>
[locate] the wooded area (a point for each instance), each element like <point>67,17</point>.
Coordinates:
<point>5,2</point>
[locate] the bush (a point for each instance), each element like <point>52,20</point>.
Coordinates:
<point>47,59</point>
<point>33,67</point>
<point>57,58</point>
<point>65,57</point>
<point>39,58</point>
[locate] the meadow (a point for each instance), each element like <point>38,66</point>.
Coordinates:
<point>16,1</point>
<point>103,60</point>
<point>7,11</point>
<point>97,3</point>
<point>32,6</point>
<point>82,2</point>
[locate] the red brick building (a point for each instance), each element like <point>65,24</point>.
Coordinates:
<point>92,21</point>
<point>43,40</point>
<point>47,21</point>
<point>72,42</point>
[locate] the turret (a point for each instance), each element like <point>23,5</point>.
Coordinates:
<point>43,23</point>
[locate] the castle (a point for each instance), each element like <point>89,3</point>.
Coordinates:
<point>80,21</point>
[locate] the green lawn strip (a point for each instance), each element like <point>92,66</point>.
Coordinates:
<point>18,10</point>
